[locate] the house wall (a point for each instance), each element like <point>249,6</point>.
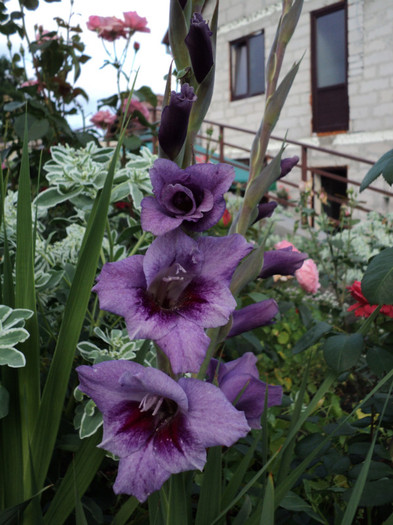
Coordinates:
<point>370,84</point>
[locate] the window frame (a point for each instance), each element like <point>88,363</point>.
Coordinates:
<point>341,89</point>
<point>232,73</point>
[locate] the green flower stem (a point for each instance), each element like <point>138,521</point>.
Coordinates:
<point>137,244</point>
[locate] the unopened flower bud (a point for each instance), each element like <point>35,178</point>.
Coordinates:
<point>199,44</point>
<point>174,121</point>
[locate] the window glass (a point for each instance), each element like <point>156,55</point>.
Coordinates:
<point>331,49</point>
<point>257,64</point>
<point>240,70</point>
<point>248,66</point>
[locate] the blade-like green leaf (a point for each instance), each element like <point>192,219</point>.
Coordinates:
<point>210,497</point>
<point>126,511</point>
<point>56,384</point>
<point>267,515</point>
<point>178,509</point>
<point>377,282</point>
<point>287,454</point>
<point>29,375</point>
<point>84,467</point>
<point>238,476</point>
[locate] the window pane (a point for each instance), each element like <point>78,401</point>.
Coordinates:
<point>257,64</point>
<point>331,56</point>
<point>239,79</point>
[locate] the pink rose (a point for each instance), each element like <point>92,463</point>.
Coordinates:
<point>103,119</point>
<point>308,277</point>
<point>134,22</point>
<point>135,105</point>
<point>285,244</point>
<point>109,28</point>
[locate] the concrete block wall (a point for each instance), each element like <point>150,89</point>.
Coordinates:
<point>370,81</point>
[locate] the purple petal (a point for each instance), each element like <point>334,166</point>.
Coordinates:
<point>253,316</point>
<point>208,303</point>
<point>173,247</point>
<point>246,364</point>
<point>145,319</point>
<point>252,395</point>
<point>222,255</point>
<point>155,220</point>
<point>241,377</point>
<point>173,449</point>
<point>185,345</point>
<point>281,262</point>
<point>139,474</point>
<point>169,193</point>
<point>217,178</point>
<point>208,219</point>
<point>212,417</point>
<point>116,283</point>
<point>164,172</point>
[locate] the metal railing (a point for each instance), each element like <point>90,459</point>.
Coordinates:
<point>307,170</point>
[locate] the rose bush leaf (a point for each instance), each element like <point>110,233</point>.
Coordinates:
<point>377,282</point>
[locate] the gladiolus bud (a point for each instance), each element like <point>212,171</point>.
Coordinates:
<point>199,44</point>
<point>174,121</point>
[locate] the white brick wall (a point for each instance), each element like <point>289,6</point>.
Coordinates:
<point>370,79</point>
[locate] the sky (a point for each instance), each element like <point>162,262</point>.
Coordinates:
<point>152,60</point>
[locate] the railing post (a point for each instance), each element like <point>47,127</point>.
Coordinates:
<point>304,163</point>
<point>221,142</point>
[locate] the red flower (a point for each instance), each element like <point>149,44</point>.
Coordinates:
<point>226,218</point>
<point>363,308</point>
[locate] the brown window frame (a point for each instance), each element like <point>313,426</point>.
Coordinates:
<point>241,41</point>
<point>337,91</point>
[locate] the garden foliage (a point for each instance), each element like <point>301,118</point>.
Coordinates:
<point>165,357</point>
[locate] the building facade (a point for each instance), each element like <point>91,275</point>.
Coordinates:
<point>342,97</point>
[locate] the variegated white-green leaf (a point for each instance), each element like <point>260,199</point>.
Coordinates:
<point>11,357</point>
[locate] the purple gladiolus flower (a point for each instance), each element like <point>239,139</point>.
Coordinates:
<point>192,197</point>
<point>282,262</point>
<point>199,44</point>
<point>239,380</point>
<point>174,121</point>
<point>253,316</point>
<point>175,291</point>
<point>157,426</point>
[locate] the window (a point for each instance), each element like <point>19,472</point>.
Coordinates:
<point>248,66</point>
<point>329,68</point>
